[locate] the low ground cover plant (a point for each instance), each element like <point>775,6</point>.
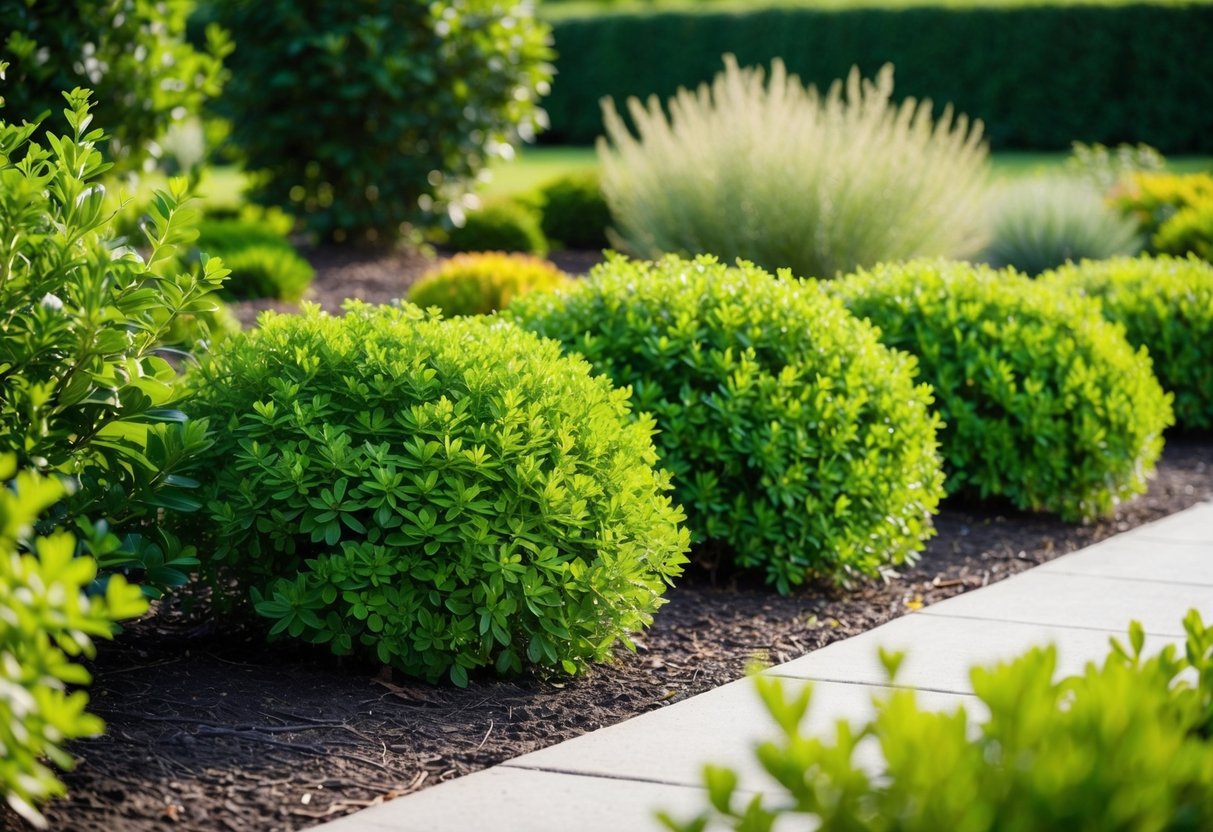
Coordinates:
<point>1124,746</point>
<point>798,444</point>
<point>1044,403</point>
<point>1165,305</point>
<point>364,119</point>
<point>500,225</point>
<point>1044,222</point>
<point>477,284</point>
<point>85,390</point>
<point>575,214</point>
<point>47,623</point>
<point>772,172</point>
<point>441,496</point>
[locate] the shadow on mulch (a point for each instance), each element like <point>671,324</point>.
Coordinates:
<point>222,732</point>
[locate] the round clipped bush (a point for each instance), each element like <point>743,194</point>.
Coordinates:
<point>503,225</point>
<point>795,438</point>
<point>575,213</point>
<point>1044,402</point>
<point>438,495</point>
<point>477,284</point>
<point>1165,305</point>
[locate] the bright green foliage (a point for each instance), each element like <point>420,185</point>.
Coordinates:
<point>133,53</point>
<point>1043,401</point>
<point>477,284</point>
<point>1042,223</point>
<point>575,214</point>
<point>1125,746</point>
<point>1165,305</point>
<point>794,437</point>
<point>439,495</point>
<point>772,172</point>
<point>1151,199</point>
<point>83,390</point>
<point>501,225</point>
<point>1189,231</point>
<point>262,261</point>
<point>47,620</point>
<point>366,116</point>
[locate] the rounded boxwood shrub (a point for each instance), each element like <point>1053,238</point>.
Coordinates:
<point>575,213</point>
<point>794,437</point>
<point>1166,306</point>
<point>1044,402</point>
<point>477,284</point>
<point>439,495</point>
<point>502,225</point>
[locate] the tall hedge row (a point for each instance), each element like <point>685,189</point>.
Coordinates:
<point>1040,76</point>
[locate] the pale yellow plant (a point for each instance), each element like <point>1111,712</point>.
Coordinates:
<point>780,175</point>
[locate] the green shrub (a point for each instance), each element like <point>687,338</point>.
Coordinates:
<point>133,54</point>
<point>1044,403</point>
<point>262,228</point>
<point>1044,222</point>
<point>794,438</point>
<point>364,117</point>
<point>267,271</point>
<point>439,495</point>
<point>477,284</point>
<point>1122,747</point>
<point>777,174</point>
<point>47,622</point>
<point>83,390</point>
<point>1105,167</point>
<point>996,61</point>
<point>1189,231</point>
<point>501,225</point>
<point>575,214</point>
<point>1165,305</point>
<point>1151,199</point>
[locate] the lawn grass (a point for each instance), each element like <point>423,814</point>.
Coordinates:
<point>535,166</point>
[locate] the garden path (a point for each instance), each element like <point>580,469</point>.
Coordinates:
<point>615,778</point>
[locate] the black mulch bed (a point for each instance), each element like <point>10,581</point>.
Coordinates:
<point>218,731</point>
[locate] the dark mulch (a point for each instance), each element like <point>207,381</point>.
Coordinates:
<point>218,731</point>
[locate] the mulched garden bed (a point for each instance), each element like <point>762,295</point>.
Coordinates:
<point>218,731</point>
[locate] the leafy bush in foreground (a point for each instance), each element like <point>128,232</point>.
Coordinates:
<point>794,437</point>
<point>502,225</point>
<point>1165,305</point>
<point>84,392</point>
<point>1043,401</point>
<point>47,621</point>
<point>477,284</point>
<point>785,177</point>
<point>1125,746</point>
<point>1042,223</point>
<point>365,117</point>
<point>575,214</point>
<point>440,495</point>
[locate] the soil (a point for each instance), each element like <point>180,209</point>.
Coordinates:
<point>216,730</point>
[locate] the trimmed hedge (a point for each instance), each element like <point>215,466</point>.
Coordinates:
<point>1045,403</point>
<point>1040,76</point>
<point>1166,306</point>
<point>798,444</point>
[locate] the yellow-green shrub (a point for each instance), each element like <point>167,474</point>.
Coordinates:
<point>1165,305</point>
<point>1189,231</point>
<point>1153,198</point>
<point>477,284</point>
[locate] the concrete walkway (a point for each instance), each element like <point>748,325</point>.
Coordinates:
<point>613,779</point>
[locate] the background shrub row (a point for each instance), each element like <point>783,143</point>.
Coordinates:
<point>1131,72</point>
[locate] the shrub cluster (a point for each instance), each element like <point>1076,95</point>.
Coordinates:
<point>47,622</point>
<point>996,61</point>
<point>1042,223</point>
<point>1044,402</point>
<point>1165,305</point>
<point>500,225</point>
<point>772,172</point>
<point>439,495</point>
<point>262,261</point>
<point>83,391</point>
<point>575,214</point>
<point>477,284</point>
<point>1175,211</point>
<point>133,54</point>
<point>366,117</point>
<point>794,437</point>
<point>1123,746</point>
